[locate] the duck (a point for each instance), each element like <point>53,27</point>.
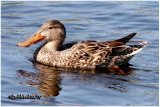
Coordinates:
<point>88,54</point>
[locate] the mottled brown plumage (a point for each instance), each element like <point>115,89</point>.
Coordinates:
<point>84,54</point>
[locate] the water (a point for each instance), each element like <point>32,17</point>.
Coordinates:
<point>85,20</point>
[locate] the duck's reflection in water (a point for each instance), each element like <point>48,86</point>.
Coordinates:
<point>47,79</point>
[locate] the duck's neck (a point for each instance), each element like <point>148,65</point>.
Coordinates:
<point>54,45</point>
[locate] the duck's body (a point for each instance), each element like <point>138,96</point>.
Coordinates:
<point>84,54</point>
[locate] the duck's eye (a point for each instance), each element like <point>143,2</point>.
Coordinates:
<point>50,28</point>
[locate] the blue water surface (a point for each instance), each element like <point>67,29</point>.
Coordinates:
<point>85,20</point>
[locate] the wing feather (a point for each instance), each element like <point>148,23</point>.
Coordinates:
<point>91,53</point>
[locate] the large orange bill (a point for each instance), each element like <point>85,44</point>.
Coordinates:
<point>33,39</point>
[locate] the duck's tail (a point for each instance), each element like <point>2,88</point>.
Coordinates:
<point>140,45</point>
<point>137,48</point>
<point>123,57</point>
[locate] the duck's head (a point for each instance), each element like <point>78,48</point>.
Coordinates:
<point>52,30</point>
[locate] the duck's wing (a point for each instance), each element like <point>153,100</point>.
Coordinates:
<point>126,39</point>
<point>93,54</point>
<point>89,54</point>
<point>120,42</point>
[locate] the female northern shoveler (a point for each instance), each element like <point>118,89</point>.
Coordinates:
<point>84,54</point>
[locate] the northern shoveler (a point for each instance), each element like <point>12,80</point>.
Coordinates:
<point>83,54</point>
